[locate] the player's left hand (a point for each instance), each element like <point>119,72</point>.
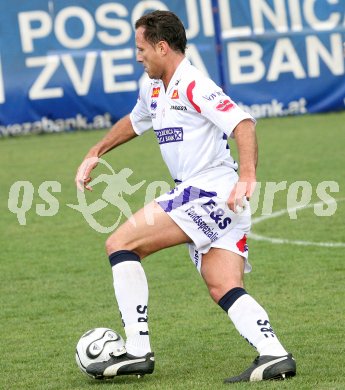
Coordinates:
<point>242,192</point>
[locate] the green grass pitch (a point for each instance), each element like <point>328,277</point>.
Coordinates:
<point>56,282</point>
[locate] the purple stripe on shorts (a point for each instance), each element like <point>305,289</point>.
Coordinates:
<point>187,195</point>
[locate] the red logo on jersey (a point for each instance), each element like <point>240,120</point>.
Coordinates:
<point>155,92</point>
<point>190,88</point>
<point>225,105</point>
<point>242,244</point>
<point>175,94</point>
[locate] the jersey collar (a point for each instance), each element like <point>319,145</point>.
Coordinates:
<point>177,75</point>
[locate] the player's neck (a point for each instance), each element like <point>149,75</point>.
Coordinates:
<point>172,64</point>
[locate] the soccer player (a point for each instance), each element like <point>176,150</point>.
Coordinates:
<point>208,209</point>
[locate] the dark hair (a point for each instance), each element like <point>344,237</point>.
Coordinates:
<point>164,26</point>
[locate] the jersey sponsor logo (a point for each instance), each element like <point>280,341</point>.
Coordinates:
<point>202,225</point>
<point>217,214</point>
<point>242,244</point>
<point>169,134</point>
<point>153,105</point>
<point>178,108</point>
<point>213,95</point>
<point>175,94</point>
<point>155,92</point>
<point>225,105</point>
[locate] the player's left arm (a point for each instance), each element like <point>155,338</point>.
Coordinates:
<point>245,138</point>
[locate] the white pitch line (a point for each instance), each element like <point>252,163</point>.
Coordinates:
<point>278,213</point>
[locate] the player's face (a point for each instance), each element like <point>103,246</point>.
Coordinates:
<point>148,55</point>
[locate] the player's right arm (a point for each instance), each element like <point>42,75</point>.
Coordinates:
<point>130,126</point>
<point>121,132</point>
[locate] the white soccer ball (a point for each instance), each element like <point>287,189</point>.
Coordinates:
<point>97,345</point>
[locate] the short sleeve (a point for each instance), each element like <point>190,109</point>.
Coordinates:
<point>140,115</point>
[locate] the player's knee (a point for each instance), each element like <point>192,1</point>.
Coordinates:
<point>119,242</point>
<point>217,292</point>
<point>110,246</point>
<point>114,243</point>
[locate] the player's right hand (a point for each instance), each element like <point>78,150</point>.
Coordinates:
<point>241,194</point>
<point>83,178</point>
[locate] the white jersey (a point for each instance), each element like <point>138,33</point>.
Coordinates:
<point>192,120</point>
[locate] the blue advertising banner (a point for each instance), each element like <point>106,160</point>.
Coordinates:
<point>284,57</point>
<point>67,64</point>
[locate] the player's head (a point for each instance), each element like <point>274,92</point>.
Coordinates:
<point>163,26</point>
<point>160,38</point>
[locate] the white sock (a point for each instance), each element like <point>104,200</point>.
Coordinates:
<point>252,321</point>
<point>131,291</point>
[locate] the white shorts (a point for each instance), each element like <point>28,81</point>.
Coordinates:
<point>199,208</point>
